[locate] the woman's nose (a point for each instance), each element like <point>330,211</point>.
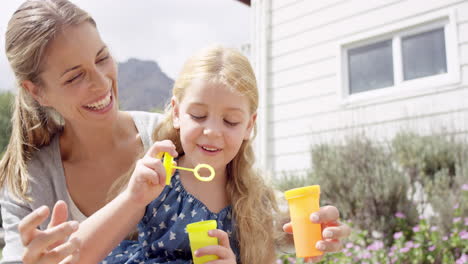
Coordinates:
<point>99,80</point>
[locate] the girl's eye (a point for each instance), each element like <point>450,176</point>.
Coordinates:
<point>74,78</point>
<point>103,59</point>
<point>195,117</point>
<point>231,123</point>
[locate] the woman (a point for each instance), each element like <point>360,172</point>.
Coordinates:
<point>69,140</point>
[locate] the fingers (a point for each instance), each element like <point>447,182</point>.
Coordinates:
<point>72,259</point>
<point>325,214</point>
<point>149,175</point>
<point>336,232</point>
<point>222,236</point>
<point>162,146</point>
<point>223,250</point>
<point>59,214</point>
<point>28,225</point>
<point>288,228</point>
<point>313,259</point>
<point>64,254</point>
<point>45,239</point>
<point>329,245</point>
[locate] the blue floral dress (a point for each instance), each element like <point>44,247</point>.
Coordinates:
<point>162,237</point>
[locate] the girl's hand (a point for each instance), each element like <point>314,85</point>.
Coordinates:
<point>50,246</point>
<point>332,230</point>
<point>223,250</point>
<point>149,177</point>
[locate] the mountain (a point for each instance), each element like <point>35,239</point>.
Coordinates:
<point>143,86</point>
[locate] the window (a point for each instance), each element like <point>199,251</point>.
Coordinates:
<point>424,54</point>
<point>406,58</point>
<point>370,67</point>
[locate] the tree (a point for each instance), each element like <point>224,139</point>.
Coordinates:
<point>6,111</point>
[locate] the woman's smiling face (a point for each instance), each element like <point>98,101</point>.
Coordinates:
<point>79,76</point>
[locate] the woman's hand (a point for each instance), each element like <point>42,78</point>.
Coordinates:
<point>332,230</point>
<point>50,246</point>
<point>149,177</point>
<point>223,250</point>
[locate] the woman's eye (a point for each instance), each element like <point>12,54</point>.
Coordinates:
<point>103,59</point>
<point>74,78</point>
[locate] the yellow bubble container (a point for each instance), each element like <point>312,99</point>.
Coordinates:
<point>303,202</point>
<point>198,236</point>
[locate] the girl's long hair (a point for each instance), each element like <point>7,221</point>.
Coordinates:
<point>253,201</point>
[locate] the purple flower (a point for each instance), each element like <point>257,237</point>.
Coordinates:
<point>432,248</point>
<point>397,235</point>
<point>416,229</point>
<point>366,255</point>
<point>445,238</point>
<point>463,259</point>
<point>404,250</point>
<point>464,234</point>
<point>416,245</point>
<point>349,254</point>
<point>409,244</point>
<point>349,245</point>
<point>456,220</point>
<point>456,206</point>
<point>376,245</point>
<point>465,187</point>
<point>466,221</point>
<point>400,215</point>
<point>434,228</point>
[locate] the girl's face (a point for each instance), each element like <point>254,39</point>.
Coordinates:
<point>213,122</point>
<point>79,77</point>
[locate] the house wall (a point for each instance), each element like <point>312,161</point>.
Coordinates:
<point>297,60</point>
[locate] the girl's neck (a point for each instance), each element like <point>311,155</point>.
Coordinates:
<point>82,143</point>
<point>220,178</point>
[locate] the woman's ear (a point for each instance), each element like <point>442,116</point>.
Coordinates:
<point>250,126</point>
<point>175,112</point>
<point>35,91</point>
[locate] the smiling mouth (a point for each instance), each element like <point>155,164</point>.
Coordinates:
<point>101,104</point>
<point>210,149</point>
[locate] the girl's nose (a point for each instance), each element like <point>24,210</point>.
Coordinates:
<point>212,129</point>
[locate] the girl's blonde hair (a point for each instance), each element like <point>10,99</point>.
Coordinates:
<point>30,30</point>
<point>253,202</point>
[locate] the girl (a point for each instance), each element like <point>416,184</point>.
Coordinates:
<point>211,120</point>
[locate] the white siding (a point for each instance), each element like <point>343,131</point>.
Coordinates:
<point>303,93</point>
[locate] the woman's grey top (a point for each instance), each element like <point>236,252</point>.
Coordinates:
<point>48,185</point>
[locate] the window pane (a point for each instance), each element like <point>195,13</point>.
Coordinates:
<point>370,67</point>
<point>424,54</point>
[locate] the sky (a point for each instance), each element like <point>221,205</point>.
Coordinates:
<point>165,31</point>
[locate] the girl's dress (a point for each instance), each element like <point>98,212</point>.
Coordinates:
<point>162,235</point>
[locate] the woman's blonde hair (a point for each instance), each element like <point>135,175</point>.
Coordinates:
<point>253,202</point>
<point>30,30</point>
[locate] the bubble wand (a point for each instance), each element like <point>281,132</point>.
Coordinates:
<point>168,163</point>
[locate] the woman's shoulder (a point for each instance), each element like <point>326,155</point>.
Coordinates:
<point>45,158</point>
<point>145,122</point>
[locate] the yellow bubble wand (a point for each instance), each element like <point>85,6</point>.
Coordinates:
<point>168,163</point>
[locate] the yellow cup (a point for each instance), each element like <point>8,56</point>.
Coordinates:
<point>198,236</point>
<point>302,202</point>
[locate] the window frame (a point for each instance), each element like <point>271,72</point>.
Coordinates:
<point>395,32</point>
